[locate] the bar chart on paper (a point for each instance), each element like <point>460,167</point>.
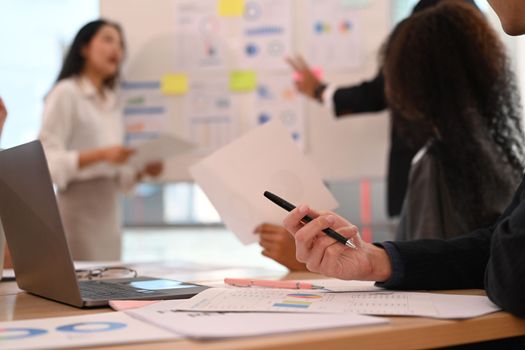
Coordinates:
<point>371,303</point>
<point>298,300</point>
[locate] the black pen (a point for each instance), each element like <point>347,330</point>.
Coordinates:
<point>289,206</point>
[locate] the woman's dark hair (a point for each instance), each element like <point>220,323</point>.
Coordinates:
<point>445,66</point>
<point>425,4</point>
<point>75,61</point>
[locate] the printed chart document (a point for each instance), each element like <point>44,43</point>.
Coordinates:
<point>160,148</point>
<point>79,331</point>
<point>375,303</point>
<point>210,325</point>
<point>265,159</point>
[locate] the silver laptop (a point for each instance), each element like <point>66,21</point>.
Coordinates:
<point>36,239</point>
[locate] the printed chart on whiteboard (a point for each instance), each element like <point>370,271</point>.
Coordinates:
<point>334,35</point>
<point>145,110</point>
<point>267,34</point>
<point>276,98</point>
<point>210,117</point>
<point>201,41</point>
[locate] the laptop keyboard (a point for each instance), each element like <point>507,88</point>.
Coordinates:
<point>97,290</point>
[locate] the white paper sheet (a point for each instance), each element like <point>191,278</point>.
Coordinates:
<point>160,148</point>
<point>375,303</point>
<point>227,325</point>
<point>265,159</point>
<point>79,331</point>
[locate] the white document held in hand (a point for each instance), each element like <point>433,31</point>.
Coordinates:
<point>213,325</point>
<point>373,303</point>
<point>265,159</point>
<point>163,147</point>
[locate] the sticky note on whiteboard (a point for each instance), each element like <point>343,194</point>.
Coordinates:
<point>231,8</point>
<point>174,84</point>
<point>243,81</point>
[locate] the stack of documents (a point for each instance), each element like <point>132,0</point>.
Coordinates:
<point>239,312</point>
<point>368,303</point>
<point>212,325</point>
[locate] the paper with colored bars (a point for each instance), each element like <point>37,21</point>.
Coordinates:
<point>79,331</point>
<point>374,303</point>
<point>206,325</point>
<point>265,159</point>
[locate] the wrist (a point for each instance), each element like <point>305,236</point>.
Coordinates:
<point>380,264</point>
<point>318,92</point>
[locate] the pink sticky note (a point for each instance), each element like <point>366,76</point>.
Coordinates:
<point>318,73</point>
<point>119,305</point>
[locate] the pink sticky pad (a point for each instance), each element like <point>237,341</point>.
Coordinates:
<point>318,73</point>
<point>119,305</point>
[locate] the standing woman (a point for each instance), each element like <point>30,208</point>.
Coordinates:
<point>82,134</point>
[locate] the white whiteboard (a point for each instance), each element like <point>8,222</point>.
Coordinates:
<point>345,148</point>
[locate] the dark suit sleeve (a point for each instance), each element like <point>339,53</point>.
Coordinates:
<point>368,96</point>
<point>491,258</point>
<point>505,273</point>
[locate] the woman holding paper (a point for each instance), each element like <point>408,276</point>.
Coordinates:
<point>82,134</point>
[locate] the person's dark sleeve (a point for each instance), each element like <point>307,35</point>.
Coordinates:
<point>457,263</point>
<point>368,96</point>
<point>505,273</point>
<point>491,258</point>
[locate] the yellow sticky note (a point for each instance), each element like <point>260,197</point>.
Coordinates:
<point>174,84</point>
<point>243,81</point>
<point>231,8</point>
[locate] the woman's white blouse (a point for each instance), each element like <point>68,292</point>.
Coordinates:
<point>77,118</point>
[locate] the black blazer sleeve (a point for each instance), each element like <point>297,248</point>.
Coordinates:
<point>492,258</point>
<point>368,96</point>
<point>505,273</point>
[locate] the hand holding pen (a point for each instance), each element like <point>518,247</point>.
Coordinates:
<point>328,231</point>
<point>333,258</point>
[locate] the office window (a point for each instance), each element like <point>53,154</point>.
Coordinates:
<point>34,34</point>
<point>171,204</point>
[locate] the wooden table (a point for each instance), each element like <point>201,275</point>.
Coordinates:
<point>401,333</point>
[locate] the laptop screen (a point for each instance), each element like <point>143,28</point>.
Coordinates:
<point>33,227</point>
